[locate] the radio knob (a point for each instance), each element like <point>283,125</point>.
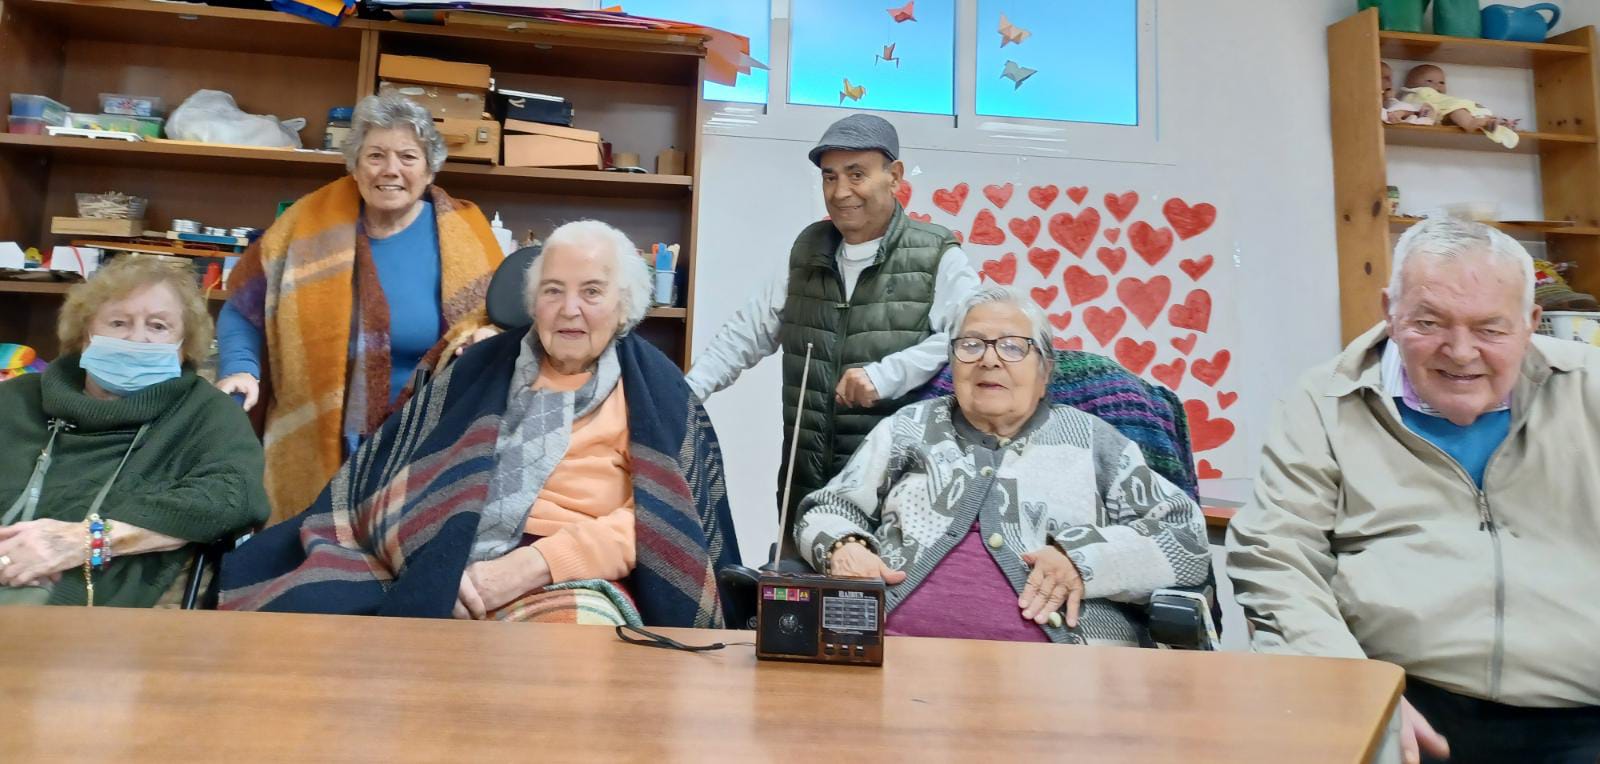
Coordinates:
<point>789,624</point>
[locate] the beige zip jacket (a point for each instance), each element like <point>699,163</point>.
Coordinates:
<point>1365,540</point>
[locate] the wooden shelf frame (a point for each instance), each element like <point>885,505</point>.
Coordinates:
<point>1567,106</point>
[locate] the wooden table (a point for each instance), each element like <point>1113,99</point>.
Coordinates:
<point>128,685</point>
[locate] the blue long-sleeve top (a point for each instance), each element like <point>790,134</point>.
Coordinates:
<point>408,271</point>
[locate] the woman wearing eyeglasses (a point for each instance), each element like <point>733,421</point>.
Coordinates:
<point>994,515</point>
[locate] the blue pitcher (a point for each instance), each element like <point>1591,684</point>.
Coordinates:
<point>1508,22</point>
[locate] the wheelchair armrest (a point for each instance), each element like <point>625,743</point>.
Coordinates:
<point>1180,618</point>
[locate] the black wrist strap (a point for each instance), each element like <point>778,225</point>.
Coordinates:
<point>652,639</point>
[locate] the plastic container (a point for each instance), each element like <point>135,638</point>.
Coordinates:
<point>1574,325</point>
<point>130,105</point>
<point>25,126</point>
<point>338,127</point>
<point>53,112</point>
<point>149,127</point>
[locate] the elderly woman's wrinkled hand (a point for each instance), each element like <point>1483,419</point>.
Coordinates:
<point>37,551</point>
<point>478,336</point>
<point>857,561</point>
<point>492,584</point>
<point>1054,581</point>
<point>244,384</point>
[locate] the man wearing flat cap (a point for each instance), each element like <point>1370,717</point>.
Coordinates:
<point>874,293</point>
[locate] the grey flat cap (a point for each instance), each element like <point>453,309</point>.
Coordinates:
<point>858,132</point>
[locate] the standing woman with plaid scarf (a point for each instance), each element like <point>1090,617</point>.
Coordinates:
<point>347,293</point>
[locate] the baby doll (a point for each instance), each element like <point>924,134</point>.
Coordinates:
<point>1425,85</point>
<point>1396,110</point>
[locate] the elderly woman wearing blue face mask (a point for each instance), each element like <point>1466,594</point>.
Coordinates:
<point>119,460</point>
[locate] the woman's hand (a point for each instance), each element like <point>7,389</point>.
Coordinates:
<point>242,383</point>
<point>857,561</point>
<point>37,551</point>
<point>477,337</point>
<point>492,584</point>
<point>1054,580</point>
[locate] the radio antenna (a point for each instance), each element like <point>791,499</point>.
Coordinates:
<point>794,447</point>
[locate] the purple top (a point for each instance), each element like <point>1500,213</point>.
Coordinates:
<point>965,596</point>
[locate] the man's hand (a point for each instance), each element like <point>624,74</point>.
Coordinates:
<point>1417,736</point>
<point>855,389</point>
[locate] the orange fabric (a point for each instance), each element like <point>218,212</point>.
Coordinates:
<point>584,513</point>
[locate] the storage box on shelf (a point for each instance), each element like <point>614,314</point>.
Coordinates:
<point>643,96</point>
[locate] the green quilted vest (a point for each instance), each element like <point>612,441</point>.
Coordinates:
<point>887,313</point>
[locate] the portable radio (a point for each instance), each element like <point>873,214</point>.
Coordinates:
<point>820,619</point>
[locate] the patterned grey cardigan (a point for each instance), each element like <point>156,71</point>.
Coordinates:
<point>924,475</point>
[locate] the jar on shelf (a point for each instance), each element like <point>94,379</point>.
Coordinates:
<point>338,127</point>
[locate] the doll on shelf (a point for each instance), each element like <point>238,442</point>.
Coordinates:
<point>1396,111</point>
<point>1425,85</point>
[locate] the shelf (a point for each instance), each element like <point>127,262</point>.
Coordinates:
<point>1398,223</point>
<point>194,26</point>
<point>61,287</point>
<point>1444,137</point>
<point>1471,51</point>
<point>678,313</point>
<point>286,162</point>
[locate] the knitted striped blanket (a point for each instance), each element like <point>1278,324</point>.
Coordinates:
<point>307,284</point>
<point>391,534</point>
<point>1146,414</point>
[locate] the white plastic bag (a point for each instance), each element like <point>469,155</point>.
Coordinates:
<point>211,116</point>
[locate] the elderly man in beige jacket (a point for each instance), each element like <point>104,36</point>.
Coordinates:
<point>1431,498</point>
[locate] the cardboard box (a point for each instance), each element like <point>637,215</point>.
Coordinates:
<point>432,71</point>
<point>442,101</point>
<point>555,131</point>
<point>549,151</point>
<point>532,107</point>
<point>96,227</point>
<point>473,140</point>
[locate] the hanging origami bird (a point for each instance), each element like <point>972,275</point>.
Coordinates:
<point>855,92</point>
<point>888,55</point>
<point>1013,72</point>
<point>903,13</point>
<point>1011,33</point>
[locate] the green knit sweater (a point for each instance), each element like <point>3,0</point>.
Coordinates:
<point>195,476</point>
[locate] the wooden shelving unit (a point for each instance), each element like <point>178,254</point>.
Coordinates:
<point>640,92</point>
<point>1563,136</point>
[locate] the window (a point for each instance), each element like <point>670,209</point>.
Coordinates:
<point>885,56</point>
<point>751,18</point>
<point>1070,60</point>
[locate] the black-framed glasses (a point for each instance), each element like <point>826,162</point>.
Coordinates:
<point>1010,348</point>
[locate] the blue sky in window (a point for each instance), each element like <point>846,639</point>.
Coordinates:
<point>831,40</point>
<point>1085,53</point>
<point>751,18</point>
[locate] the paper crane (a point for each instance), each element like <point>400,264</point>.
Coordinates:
<point>888,55</point>
<point>1013,72</point>
<point>852,92</point>
<point>903,13</point>
<point>1011,33</point>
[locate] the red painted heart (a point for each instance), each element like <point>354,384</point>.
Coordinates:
<point>1170,374</point>
<point>1224,400</point>
<point>1193,313</point>
<point>1188,221</point>
<point>1075,232</point>
<point>1205,471</point>
<point>985,230</point>
<point>999,194</point>
<point>1197,268</point>
<point>1135,355</point>
<point>1104,324</point>
<point>919,216</point>
<point>1043,196</point>
<point>1077,194</point>
<point>950,199</point>
<point>1121,206</point>
<point>1060,320</point>
<point>1044,259</point>
<point>1025,230</point>
<point>1112,259</point>
<point>1071,343</point>
<point>1045,295</point>
<point>1209,371</point>
<point>1112,234</point>
<point>1145,299</point>
<point>1083,286</point>
<point>1206,433</point>
<point>1003,271</point>
<point>902,192</point>
<point>1185,345</point>
<point>1152,244</point>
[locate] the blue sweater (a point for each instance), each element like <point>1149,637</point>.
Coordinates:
<point>1471,446</point>
<point>408,270</point>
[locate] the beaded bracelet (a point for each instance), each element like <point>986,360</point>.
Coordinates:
<point>96,552</point>
<point>837,545</point>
